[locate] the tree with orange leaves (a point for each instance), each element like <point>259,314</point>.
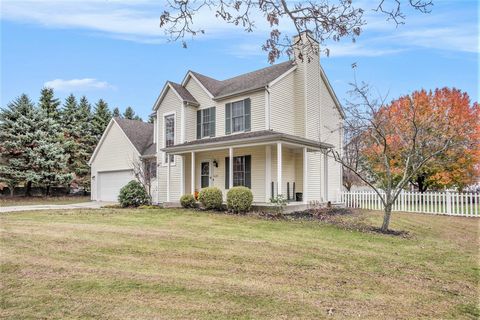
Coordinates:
<point>434,133</point>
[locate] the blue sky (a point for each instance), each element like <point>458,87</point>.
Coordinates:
<point>116,51</point>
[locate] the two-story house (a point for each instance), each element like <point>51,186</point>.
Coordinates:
<point>267,130</point>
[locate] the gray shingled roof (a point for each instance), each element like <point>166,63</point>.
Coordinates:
<point>183,92</point>
<point>245,82</point>
<point>139,133</point>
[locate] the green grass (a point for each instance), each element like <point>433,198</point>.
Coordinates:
<point>7,201</point>
<point>178,264</point>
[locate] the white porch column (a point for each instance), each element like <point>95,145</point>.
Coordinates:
<point>182,176</point>
<point>230,168</point>
<point>268,172</point>
<point>279,168</point>
<point>305,175</point>
<point>168,177</point>
<point>192,183</point>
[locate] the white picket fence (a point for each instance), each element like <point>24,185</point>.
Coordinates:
<point>449,203</point>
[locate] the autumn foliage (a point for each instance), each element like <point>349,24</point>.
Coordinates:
<point>444,118</point>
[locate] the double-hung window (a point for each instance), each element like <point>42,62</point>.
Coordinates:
<point>169,134</point>
<point>241,171</point>
<point>206,123</point>
<point>237,116</point>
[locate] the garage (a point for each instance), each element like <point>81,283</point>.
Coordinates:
<point>110,182</point>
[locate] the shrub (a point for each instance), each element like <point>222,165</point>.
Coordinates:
<point>188,201</point>
<point>133,194</point>
<point>211,198</point>
<point>280,202</point>
<point>239,199</point>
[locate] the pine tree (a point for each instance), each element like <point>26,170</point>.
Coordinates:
<point>49,160</point>
<point>116,113</point>
<point>101,118</point>
<point>49,104</point>
<point>129,113</point>
<point>71,132</point>
<point>151,118</point>
<point>87,144</point>
<point>17,138</point>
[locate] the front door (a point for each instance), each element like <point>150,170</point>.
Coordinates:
<point>205,174</point>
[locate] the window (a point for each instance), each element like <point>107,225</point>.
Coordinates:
<point>241,171</point>
<point>151,168</point>
<point>237,116</point>
<point>206,123</point>
<point>169,133</point>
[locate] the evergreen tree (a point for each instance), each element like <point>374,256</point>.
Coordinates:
<point>151,118</point>
<point>116,113</point>
<point>17,139</point>
<point>49,104</point>
<point>129,113</point>
<point>101,118</point>
<point>71,132</point>
<point>48,157</point>
<point>87,144</point>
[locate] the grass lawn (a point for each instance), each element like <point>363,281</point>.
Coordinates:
<point>166,264</point>
<point>23,201</point>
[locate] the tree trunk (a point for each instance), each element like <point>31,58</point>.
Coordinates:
<point>47,191</point>
<point>386,217</point>
<point>28,189</point>
<point>12,190</point>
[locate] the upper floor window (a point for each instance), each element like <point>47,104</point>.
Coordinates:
<point>206,123</point>
<point>169,133</point>
<point>237,116</point>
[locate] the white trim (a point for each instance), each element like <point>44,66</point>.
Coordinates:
<point>190,74</point>
<point>267,109</point>
<point>325,179</point>
<point>230,168</point>
<point>192,165</point>
<point>305,95</point>
<point>279,168</point>
<point>168,181</point>
<point>210,171</point>
<point>182,123</point>
<point>283,75</point>
<point>104,135</point>
<point>155,129</point>
<point>182,177</point>
<point>159,100</point>
<point>332,93</point>
<point>305,175</point>
<point>268,171</point>
<point>174,113</point>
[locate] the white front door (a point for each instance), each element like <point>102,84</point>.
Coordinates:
<point>205,174</point>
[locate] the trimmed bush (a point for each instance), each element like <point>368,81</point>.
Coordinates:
<point>188,201</point>
<point>239,199</point>
<point>211,198</point>
<point>133,194</point>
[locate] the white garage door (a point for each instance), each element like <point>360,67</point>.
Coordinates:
<point>110,183</point>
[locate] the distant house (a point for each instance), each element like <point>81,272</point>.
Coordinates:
<point>267,130</point>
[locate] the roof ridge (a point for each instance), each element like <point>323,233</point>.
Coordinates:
<point>258,70</point>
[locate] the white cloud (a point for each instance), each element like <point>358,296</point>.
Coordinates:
<point>78,84</point>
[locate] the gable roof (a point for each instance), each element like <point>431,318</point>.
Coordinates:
<point>139,133</point>
<point>183,92</point>
<point>243,83</point>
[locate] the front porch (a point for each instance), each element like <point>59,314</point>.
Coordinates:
<point>269,168</point>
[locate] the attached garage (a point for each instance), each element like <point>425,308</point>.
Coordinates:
<point>110,182</point>
<point>123,144</point>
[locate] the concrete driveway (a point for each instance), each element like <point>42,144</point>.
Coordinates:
<point>82,205</point>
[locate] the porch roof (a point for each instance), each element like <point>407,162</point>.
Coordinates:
<point>239,139</point>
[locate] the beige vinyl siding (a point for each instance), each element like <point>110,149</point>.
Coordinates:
<point>115,153</point>
<point>171,103</point>
<point>314,192</point>
<point>292,169</point>
<point>282,103</point>
<point>312,121</point>
<point>331,132</point>
<point>257,173</point>
<point>257,108</point>
<point>190,123</point>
